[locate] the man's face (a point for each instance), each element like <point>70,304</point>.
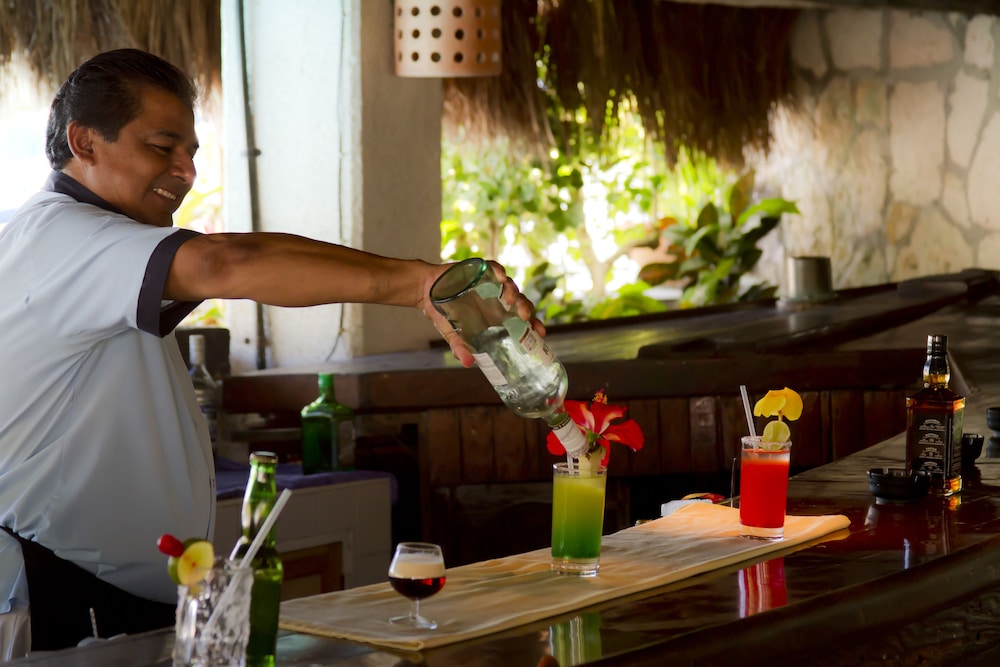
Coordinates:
<point>149,169</point>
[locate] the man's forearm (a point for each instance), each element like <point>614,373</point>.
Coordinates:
<point>289,270</point>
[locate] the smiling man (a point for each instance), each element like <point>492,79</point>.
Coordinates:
<point>102,445</point>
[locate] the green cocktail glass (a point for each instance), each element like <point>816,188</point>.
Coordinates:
<point>577,519</point>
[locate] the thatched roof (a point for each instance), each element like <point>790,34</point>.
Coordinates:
<point>54,36</point>
<point>707,76</point>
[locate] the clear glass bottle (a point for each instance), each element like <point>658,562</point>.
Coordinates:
<point>206,389</point>
<point>327,430</point>
<point>518,363</point>
<point>265,595</point>
<point>934,417</point>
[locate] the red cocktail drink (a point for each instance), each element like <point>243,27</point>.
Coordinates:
<point>763,488</point>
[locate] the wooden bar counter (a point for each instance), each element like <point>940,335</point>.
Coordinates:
<point>910,584</point>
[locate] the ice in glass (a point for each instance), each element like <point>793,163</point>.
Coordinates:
<point>213,618</point>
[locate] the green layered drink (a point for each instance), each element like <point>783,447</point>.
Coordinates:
<point>577,519</point>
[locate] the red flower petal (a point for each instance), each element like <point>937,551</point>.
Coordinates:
<point>605,414</point>
<point>579,412</point>
<point>607,455</point>
<point>553,444</point>
<point>628,433</point>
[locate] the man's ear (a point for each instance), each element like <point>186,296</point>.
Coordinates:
<point>81,141</point>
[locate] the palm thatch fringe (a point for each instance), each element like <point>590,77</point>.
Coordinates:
<point>704,76</point>
<point>54,36</point>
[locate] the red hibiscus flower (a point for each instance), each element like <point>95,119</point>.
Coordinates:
<point>602,424</point>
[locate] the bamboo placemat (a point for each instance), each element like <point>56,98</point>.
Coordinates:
<point>494,595</point>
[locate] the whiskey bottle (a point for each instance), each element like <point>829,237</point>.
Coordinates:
<point>934,423</point>
<point>327,430</point>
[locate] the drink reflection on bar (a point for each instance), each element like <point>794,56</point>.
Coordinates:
<point>762,587</point>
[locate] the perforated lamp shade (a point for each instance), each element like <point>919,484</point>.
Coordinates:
<point>447,38</point>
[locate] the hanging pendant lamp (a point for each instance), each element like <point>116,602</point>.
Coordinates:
<point>447,38</point>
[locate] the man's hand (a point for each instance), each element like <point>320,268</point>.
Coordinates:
<point>512,298</point>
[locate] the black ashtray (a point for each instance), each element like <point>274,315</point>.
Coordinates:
<point>898,486</point>
<point>993,418</point>
<point>972,448</point>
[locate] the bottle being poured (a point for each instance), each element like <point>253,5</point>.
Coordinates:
<point>518,363</point>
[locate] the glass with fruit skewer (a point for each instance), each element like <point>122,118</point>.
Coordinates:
<point>764,464</point>
<point>202,582</point>
<point>416,572</point>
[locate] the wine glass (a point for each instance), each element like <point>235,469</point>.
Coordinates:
<point>416,572</point>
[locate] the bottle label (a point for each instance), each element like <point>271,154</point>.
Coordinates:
<point>490,369</point>
<point>932,443</point>
<point>572,438</point>
<point>534,345</point>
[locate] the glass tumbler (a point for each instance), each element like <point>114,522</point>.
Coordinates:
<point>213,618</point>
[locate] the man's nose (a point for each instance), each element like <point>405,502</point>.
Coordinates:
<point>183,168</point>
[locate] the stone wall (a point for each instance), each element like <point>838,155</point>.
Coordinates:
<point>893,151</point>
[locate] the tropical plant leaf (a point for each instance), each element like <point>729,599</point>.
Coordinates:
<point>660,272</point>
<point>769,208</point>
<point>692,241</point>
<point>752,236</point>
<point>739,196</point>
<point>708,217</point>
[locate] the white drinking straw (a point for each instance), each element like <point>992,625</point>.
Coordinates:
<point>746,409</point>
<point>255,546</point>
<point>265,528</point>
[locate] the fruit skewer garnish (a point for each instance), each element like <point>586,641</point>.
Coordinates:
<point>783,404</point>
<point>189,561</point>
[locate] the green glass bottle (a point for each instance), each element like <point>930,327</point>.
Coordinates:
<point>327,430</point>
<point>265,596</point>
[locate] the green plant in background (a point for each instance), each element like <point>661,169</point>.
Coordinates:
<point>596,200</point>
<point>714,250</point>
<point>201,210</point>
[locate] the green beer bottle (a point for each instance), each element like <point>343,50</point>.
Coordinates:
<point>265,596</point>
<point>327,430</point>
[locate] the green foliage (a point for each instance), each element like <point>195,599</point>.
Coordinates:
<point>526,211</point>
<point>715,249</point>
<point>202,210</point>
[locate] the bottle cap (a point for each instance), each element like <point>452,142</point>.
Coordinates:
<point>263,457</point>
<point>937,344</point>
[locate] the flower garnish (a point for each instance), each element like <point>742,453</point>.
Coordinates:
<point>783,404</point>
<point>602,424</point>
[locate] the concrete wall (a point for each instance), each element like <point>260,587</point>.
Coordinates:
<point>893,154</point>
<point>349,154</point>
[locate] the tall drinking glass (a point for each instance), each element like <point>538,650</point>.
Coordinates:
<point>577,519</point>
<point>763,487</point>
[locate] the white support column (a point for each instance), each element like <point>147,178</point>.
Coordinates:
<point>349,153</point>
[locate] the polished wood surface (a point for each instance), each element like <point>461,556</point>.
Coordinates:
<point>907,584</point>
<point>443,430</point>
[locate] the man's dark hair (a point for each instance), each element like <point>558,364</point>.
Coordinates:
<point>105,93</point>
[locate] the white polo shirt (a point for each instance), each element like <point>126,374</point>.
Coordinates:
<point>102,445</point>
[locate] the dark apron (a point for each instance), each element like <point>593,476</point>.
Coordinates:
<point>61,595</point>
